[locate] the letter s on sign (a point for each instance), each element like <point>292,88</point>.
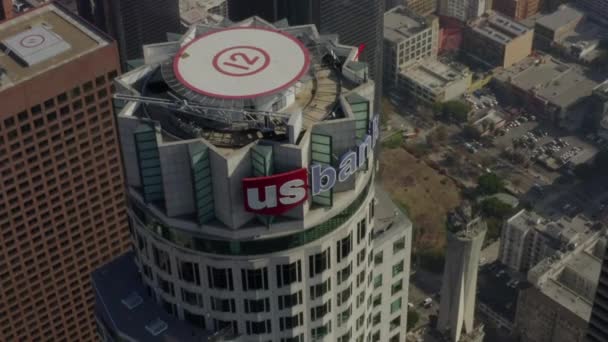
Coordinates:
<point>292,189</point>
<point>292,192</point>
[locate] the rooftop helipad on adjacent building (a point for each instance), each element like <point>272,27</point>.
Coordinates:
<point>41,39</point>
<point>241,63</point>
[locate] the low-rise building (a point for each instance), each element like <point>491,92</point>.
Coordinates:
<point>422,7</point>
<point>408,37</point>
<point>568,31</point>
<point>555,90</point>
<point>430,81</point>
<point>463,10</point>
<point>497,41</point>
<point>557,306</point>
<point>527,239</point>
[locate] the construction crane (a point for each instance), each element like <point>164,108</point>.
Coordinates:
<point>234,118</point>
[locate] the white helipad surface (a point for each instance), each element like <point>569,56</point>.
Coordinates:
<point>241,62</point>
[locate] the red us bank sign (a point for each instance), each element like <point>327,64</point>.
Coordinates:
<point>276,194</point>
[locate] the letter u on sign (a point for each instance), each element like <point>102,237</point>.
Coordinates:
<point>276,194</point>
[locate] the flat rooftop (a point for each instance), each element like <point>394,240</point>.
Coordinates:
<point>557,82</point>
<point>41,40</point>
<point>563,16</point>
<point>499,28</point>
<point>401,23</point>
<point>433,74</point>
<point>111,293</point>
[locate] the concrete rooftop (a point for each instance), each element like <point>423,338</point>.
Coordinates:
<point>432,73</point>
<point>563,16</point>
<point>401,24</point>
<point>43,39</point>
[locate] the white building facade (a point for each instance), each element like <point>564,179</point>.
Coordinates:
<point>463,10</point>
<point>255,213</point>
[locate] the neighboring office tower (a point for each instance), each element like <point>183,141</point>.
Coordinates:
<point>356,22</point>
<point>239,221</point>
<point>597,331</point>
<point>6,9</point>
<point>463,10</point>
<point>62,204</point>
<point>133,23</point>
<point>421,7</point>
<point>458,291</point>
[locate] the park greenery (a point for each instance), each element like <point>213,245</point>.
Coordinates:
<point>454,110</point>
<point>412,319</point>
<point>489,184</point>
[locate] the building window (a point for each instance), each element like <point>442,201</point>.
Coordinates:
<point>299,338</point>
<point>189,272</point>
<point>228,326</point>
<point>397,268</point>
<point>220,278</point>
<point>288,323</point>
<point>165,286</point>
<point>396,305</point>
<point>290,300</point>
<point>320,310</point>
<point>376,319</point>
<point>344,316</point>
<point>377,281</point>
<point>399,245</point>
<point>378,258</point>
<point>161,259</point>
<point>396,287</point>
<point>345,295</point>
<point>223,305</point>
<point>255,279</point>
<point>345,273</point>
<point>344,247</point>
<point>319,262</point>
<point>320,332</point>
<point>258,328</point>
<point>318,290</point>
<point>194,319</point>
<point>361,231</point>
<point>289,273</point>
<point>377,300</point>
<point>192,298</point>
<point>257,305</point>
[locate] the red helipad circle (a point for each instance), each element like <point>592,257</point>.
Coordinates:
<point>31,41</point>
<point>241,62</point>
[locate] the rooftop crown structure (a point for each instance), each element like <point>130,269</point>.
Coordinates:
<point>249,152</point>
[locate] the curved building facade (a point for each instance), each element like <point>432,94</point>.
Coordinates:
<point>249,156</point>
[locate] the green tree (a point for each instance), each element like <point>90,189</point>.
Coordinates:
<point>489,184</point>
<point>493,207</point>
<point>456,110</point>
<point>412,319</point>
<point>471,132</point>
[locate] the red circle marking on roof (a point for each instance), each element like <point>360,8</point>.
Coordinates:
<point>237,76</point>
<point>31,41</point>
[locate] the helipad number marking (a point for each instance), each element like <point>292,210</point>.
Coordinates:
<point>250,61</point>
<point>239,61</point>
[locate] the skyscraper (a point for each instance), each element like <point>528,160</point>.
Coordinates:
<point>458,291</point>
<point>6,9</point>
<point>61,187</point>
<point>356,22</point>
<point>250,163</point>
<point>597,330</point>
<point>133,23</point>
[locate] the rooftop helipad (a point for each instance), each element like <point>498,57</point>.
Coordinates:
<point>241,63</point>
